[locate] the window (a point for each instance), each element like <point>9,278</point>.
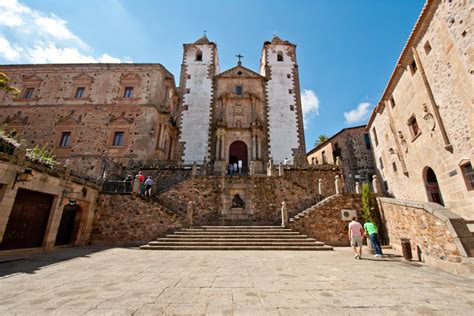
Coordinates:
<point>188,90</point>
<point>280,56</point>
<point>367,141</point>
<point>29,93</point>
<point>198,55</point>
<point>413,67</point>
<point>413,124</point>
<point>189,76</point>
<point>394,166</point>
<point>374,133</point>
<point>427,47</point>
<point>290,91</point>
<point>238,90</point>
<point>65,139</point>
<point>292,107</point>
<point>392,101</point>
<point>288,76</point>
<point>380,162</point>
<point>118,139</point>
<point>468,175</point>
<point>128,92</point>
<point>80,92</point>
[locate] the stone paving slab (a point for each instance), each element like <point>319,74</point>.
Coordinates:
<point>125,281</point>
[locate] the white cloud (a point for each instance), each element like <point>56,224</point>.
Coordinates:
<point>7,51</point>
<point>36,37</point>
<point>310,105</point>
<point>359,114</point>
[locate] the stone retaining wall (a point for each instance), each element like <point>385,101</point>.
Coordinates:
<point>123,220</point>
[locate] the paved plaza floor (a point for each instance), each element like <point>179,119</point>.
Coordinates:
<point>121,281</point>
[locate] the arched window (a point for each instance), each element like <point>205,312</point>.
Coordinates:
<point>432,187</point>
<point>279,55</point>
<point>198,55</point>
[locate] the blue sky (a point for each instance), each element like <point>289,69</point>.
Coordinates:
<point>346,49</point>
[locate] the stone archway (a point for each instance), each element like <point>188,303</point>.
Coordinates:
<point>432,187</point>
<point>238,151</point>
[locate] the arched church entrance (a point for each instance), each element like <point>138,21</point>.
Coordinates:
<point>68,224</point>
<point>432,187</point>
<point>238,151</point>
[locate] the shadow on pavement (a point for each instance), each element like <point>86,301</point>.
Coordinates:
<point>30,263</point>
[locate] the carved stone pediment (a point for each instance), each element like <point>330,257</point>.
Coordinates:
<point>240,72</point>
<point>31,79</point>
<point>83,78</point>
<point>121,119</point>
<point>130,78</point>
<point>17,118</point>
<point>71,118</point>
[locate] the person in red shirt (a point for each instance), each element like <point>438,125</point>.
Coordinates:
<point>356,232</point>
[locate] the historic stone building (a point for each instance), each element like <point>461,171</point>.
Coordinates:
<point>239,114</point>
<point>99,116</point>
<point>422,128</point>
<point>352,145</point>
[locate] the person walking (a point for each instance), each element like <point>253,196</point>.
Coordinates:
<point>138,185</point>
<point>371,231</point>
<point>148,184</point>
<point>355,234</point>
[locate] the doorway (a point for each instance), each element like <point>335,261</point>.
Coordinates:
<point>28,220</point>
<point>432,187</point>
<point>238,151</point>
<point>68,224</point>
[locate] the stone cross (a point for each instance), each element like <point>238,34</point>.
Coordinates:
<point>336,183</point>
<point>320,186</point>
<point>357,188</point>
<point>189,213</point>
<point>239,57</point>
<point>284,214</point>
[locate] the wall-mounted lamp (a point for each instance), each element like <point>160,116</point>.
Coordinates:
<point>391,151</point>
<point>24,176</point>
<point>152,131</point>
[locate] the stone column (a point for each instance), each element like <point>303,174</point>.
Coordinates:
<point>284,214</point>
<point>357,188</point>
<point>222,147</point>
<point>254,147</point>
<point>338,161</point>
<point>375,184</point>
<point>189,213</point>
<point>20,153</point>
<point>281,170</point>
<point>218,148</point>
<point>259,148</point>
<point>320,186</point>
<point>336,183</point>
<point>194,170</point>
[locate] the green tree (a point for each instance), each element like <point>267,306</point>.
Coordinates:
<point>321,139</point>
<point>366,214</point>
<point>4,85</point>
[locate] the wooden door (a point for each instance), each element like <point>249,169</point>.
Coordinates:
<point>28,220</point>
<point>66,227</point>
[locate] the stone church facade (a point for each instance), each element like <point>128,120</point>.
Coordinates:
<point>422,129</point>
<point>240,114</point>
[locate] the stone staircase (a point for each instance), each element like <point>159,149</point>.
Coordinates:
<point>236,238</point>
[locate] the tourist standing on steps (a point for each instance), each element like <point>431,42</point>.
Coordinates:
<point>138,185</point>
<point>148,184</point>
<point>372,233</point>
<point>128,184</point>
<point>356,232</point>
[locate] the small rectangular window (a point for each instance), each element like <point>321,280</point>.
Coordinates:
<point>279,56</point>
<point>468,175</point>
<point>188,90</point>
<point>80,92</point>
<point>128,92</point>
<point>118,139</point>
<point>427,47</point>
<point>392,101</point>
<point>29,93</point>
<point>288,76</point>
<point>290,91</point>
<point>380,162</point>
<point>413,124</point>
<point>292,107</point>
<point>65,139</point>
<point>189,76</point>
<point>367,141</point>
<point>413,67</point>
<point>374,133</point>
<point>394,166</point>
<point>199,55</point>
<point>238,90</point>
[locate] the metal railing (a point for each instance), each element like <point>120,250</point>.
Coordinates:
<point>117,186</point>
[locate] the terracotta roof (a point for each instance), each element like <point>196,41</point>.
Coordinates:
<point>202,40</point>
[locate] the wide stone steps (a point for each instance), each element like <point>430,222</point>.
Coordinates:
<point>236,238</point>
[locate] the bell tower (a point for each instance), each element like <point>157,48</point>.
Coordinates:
<point>200,64</point>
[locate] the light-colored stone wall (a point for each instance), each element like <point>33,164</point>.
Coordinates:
<point>281,98</point>
<point>442,47</point>
<point>63,189</point>
<point>93,119</point>
<point>197,94</point>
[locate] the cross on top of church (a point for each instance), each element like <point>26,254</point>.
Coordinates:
<point>239,57</point>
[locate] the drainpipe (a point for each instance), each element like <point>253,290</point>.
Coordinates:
<point>447,145</point>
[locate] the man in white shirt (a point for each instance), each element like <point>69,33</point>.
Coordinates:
<point>356,232</point>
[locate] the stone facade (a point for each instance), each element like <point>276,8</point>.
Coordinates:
<point>422,129</point>
<point>353,147</point>
<point>60,192</point>
<point>99,116</point>
<point>124,220</point>
<point>239,114</point>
